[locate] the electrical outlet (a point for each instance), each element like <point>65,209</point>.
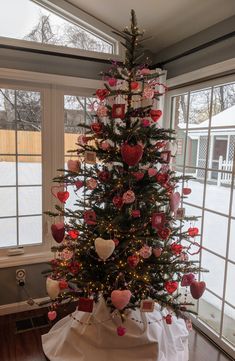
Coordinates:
<point>20,275</point>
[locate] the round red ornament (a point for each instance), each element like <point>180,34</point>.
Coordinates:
<point>117,201</point>
<point>133,260</point>
<point>187,191</point>
<point>96,127</point>
<point>112,81</point>
<point>73,233</point>
<point>63,284</point>
<point>176,248</point>
<point>134,85</point>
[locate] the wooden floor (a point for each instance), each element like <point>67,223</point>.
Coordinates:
<point>26,346</point>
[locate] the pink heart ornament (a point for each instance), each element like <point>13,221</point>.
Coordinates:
<point>120,298</point>
<point>187,279</point>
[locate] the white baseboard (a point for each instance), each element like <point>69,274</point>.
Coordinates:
<point>23,306</point>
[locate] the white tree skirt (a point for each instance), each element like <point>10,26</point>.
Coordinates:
<point>69,340</point>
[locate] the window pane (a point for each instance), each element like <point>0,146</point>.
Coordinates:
<point>8,231</point>
<point>232,241</point>
<point>30,200</point>
<point>228,324</point>
<point>215,232</point>
<point>217,195</point>
<point>215,277</point>
<point>230,289</point>
<point>32,22</point>
<point>7,201</point>
<point>7,170</point>
<point>29,170</point>
<point>210,310</point>
<point>30,230</point>
<point>196,185</point>
<point>199,108</point>
<point>7,122</point>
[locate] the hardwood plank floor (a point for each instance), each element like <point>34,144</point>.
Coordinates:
<point>26,346</point>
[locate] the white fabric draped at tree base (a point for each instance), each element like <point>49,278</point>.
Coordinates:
<point>150,339</point>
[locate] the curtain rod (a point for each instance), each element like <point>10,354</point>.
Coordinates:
<point>194,50</point>
<point>54,53</point>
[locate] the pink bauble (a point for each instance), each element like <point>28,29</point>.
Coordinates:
<point>145,251</point>
<point>105,145</point>
<point>128,197</point>
<point>102,111</point>
<point>152,172</point>
<point>145,122</point>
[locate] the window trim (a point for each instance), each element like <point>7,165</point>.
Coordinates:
<point>52,88</point>
<point>181,85</point>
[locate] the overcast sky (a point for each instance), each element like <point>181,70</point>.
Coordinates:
<point>18,17</point>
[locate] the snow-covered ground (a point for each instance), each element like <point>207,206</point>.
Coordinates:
<point>214,236</point>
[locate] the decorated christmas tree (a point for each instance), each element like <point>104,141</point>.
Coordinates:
<point>126,240</point>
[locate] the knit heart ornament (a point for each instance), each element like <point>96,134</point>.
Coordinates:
<point>155,114</point>
<point>187,279</point>
<point>104,247</point>
<point>131,154</point>
<point>197,289</point>
<point>58,231</point>
<point>120,298</point>
<point>174,201</point>
<point>171,286</point>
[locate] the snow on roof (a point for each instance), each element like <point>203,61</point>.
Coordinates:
<point>226,118</point>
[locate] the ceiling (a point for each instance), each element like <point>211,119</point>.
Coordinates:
<point>167,21</point>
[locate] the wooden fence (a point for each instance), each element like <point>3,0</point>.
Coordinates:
<point>27,143</point>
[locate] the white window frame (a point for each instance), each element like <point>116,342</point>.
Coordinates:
<point>52,88</point>
<point>179,86</point>
<point>77,17</point>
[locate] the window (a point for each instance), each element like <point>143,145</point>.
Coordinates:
<point>20,167</point>
<point>27,20</point>
<point>204,118</point>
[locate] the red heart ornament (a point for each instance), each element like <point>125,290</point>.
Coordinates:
<point>63,196</point>
<point>131,154</point>
<point>171,286</point>
<point>102,93</point>
<point>58,231</point>
<point>138,175</point>
<point>134,85</point>
<point>78,184</point>
<point>155,114</point>
<point>193,231</point>
<point>197,289</point>
<point>187,191</point>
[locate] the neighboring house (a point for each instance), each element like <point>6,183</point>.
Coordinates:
<point>222,144</point>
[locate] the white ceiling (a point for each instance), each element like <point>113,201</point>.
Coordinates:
<point>167,21</point>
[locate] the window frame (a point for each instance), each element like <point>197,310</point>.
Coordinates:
<point>77,17</point>
<point>179,87</point>
<point>52,88</point>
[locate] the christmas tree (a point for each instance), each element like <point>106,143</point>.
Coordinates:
<point>125,240</point>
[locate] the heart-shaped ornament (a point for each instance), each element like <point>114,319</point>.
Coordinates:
<point>120,298</point>
<point>171,286</point>
<point>134,85</point>
<point>63,196</point>
<point>187,191</point>
<point>53,288</point>
<point>193,231</point>
<point>102,93</point>
<point>174,201</point>
<point>112,81</point>
<point>131,154</point>
<point>52,315</point>
<point>197,289</point>
<point>155,114</point>
<point>138,175</point>
<point>152,172</point>
<point>73,165</point>
<point>104,247</point>
<point>58,231</point>
<point>187,279</point>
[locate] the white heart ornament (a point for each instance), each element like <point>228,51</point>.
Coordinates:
<point>104,247</point>
<point>53,288</point>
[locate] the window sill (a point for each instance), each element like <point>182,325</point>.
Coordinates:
<point>25,259</point>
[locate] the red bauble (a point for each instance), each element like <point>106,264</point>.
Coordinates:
<point>117,201</point>
<point>176,248</point>
<point>96,127</point>
<point>135,213</point>
<point>168,319</point>
<point>162,178</point>
<point>78,184</point>
<point>155,114</point>
<point>164,233</point>
<point>131,154</point>
<point>116,241</point>
<point>63,284</point>
<point>134,85</point>
<point>104,176</point>
<point>102,93</point>
<point>112,81</point>
<point>58,231</point>
<point>73,233</point>
<point>171,286</point>
<point>133,260</point>
<point>193,231</point>
<point>197,289</point>
<point>74,267</point>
